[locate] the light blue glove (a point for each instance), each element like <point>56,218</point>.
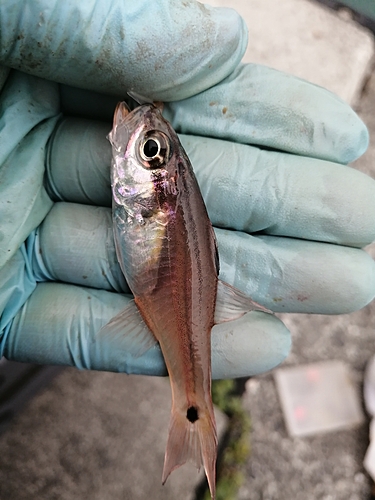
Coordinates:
<point>289,226</point>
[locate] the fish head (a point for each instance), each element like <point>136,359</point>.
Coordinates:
<point>145,149</point>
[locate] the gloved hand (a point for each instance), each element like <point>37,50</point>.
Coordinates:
<point>290,221</point>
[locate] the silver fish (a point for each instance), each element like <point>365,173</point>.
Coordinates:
<point>167,251</point>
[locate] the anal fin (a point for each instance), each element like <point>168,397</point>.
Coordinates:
<point>129,323</point>
<point>231,303</point>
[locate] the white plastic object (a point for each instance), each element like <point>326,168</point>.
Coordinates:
<point>318,397</point>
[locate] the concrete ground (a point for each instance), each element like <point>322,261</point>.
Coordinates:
<point>100,436</point>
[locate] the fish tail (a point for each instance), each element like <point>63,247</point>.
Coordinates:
<point>192,437</point>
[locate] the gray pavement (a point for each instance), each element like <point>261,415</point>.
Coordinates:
<point>326,466</point>
<point>94,436</point>
<point>102,436</point>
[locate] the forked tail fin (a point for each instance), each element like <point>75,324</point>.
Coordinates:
<point>192,437</point>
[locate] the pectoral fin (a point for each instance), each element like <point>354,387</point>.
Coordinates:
<point>129,323</point>
<point>232,303</point>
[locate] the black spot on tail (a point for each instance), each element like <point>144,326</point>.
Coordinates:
<point>192,414</point>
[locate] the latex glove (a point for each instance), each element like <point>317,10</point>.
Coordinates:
<point>59,288</point>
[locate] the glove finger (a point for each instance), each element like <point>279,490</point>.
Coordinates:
<point>59,324</point>
<point>29,108</point>
<point>251,190</point>
<point>75,245</point>
<point>259,105</point>
<point>78,162</point>
<point>244,188</point>
<point>254,105</point>
<point>165,50</point>
<point>291,275</point>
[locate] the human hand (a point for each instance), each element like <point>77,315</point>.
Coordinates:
<point>62,285</point>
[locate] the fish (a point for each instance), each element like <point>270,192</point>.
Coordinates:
<point>167,251</point>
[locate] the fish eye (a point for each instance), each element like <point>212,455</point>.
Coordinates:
<point>150,149</point>
<point>154,149</point>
